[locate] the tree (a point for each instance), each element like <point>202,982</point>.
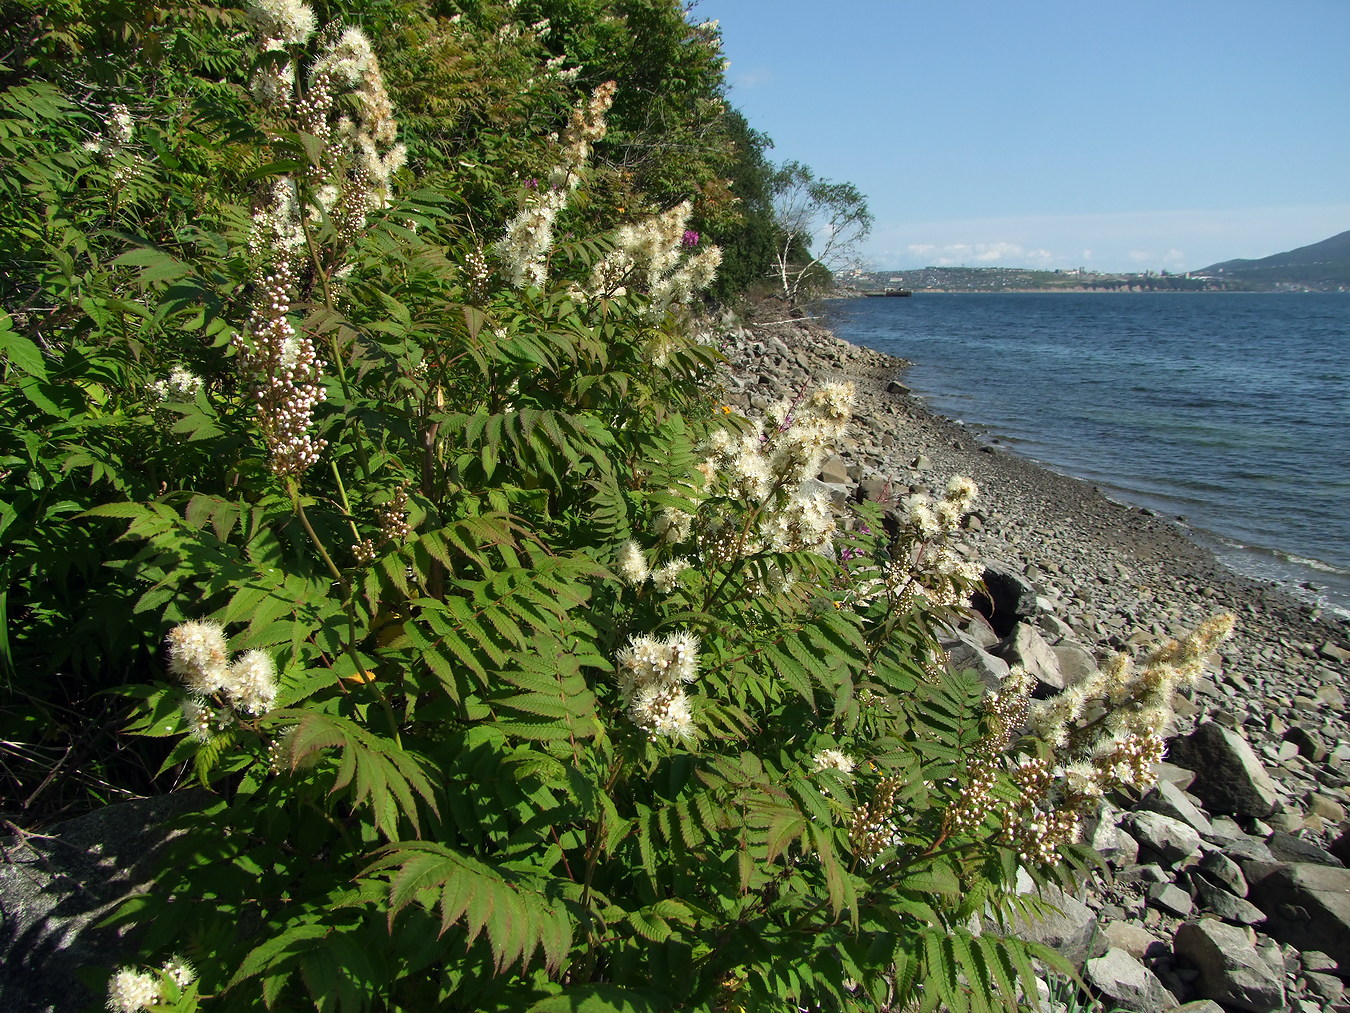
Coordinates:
<point>814,213</point>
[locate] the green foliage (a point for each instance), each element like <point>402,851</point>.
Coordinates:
<point>445,789</point>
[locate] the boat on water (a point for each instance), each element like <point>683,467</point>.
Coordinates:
<point>891,292</point>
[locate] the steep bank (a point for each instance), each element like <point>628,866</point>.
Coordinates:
<point>1106,576</point>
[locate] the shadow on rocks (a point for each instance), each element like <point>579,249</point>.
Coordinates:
<point>56,887</point>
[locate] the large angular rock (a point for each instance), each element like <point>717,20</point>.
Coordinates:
<point>55,888</point>
<point>965,653</point>
<point>1228,776</point>
<point>1307,906</point>
<point>1168,799</point>
<point>1288,848</point>
<point>1076,664</point>
<point>1231,971</point>
<point>1025,647</point>
<point>1071,929</point>
<point>1110,841</point>
<point>1127,984</point>
<point>1167,838</point>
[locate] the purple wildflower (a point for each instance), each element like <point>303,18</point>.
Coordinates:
<point>690,238</point>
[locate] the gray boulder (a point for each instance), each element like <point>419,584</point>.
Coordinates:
<point>1226,905</point>
<point>1230,970</point>
<point>1306,905</point>
<point>1070,929</point>
<point>1168,799</point>
<point>1127,984</point>
<point>55,888</point>
<point>1076,664</point>
<point>1228,776</point>
<point>1166,837</point>
<point>1025,647</point>
<point>965,653</point>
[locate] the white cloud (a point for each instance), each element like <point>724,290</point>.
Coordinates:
<point>999,252</point>
<point>752,79</point>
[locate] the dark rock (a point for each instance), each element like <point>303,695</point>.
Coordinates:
<point>1288,848</point>
<point>1007,598</point>
<point>1340,847</point>
<point>1308,743</point>
<point>1307,906</point>
<point>1228,776</point>
<point>1221,902</point>
<point>1231,971</point>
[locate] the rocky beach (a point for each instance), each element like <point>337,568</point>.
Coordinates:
<point>1225,887</point>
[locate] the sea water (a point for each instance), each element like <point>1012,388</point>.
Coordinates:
<point>1230,411</point>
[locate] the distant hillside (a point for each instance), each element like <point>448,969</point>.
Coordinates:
<point>1324,265</point>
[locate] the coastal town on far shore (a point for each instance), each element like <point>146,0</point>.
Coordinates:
<point>1011,279</point>
<point>1318,267</point>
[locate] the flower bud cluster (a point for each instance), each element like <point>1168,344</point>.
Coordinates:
<point>652,676</point>
<point>874,829</point>
<point>199,657</point>
<point>283,370</point>
<point>393,517</point>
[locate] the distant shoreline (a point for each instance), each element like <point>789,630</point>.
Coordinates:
<point>844,293</point>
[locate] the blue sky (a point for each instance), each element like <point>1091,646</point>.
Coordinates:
<point>1114,136</point>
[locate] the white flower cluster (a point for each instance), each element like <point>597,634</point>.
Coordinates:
<point>119,132</point>
<point>130,991</point>
<point>651,255</point>
<point>180,385</point>
<point>927,565</point>
<point>768,468</point>
<point>367,142</point>
<point>289,22</point>
<point>652,677</point>
<point>529,235</point>
<point>633,568</point>
<point>832,759</point>
<point>199,657</point>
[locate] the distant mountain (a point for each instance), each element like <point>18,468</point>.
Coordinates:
<point>1324,265</point>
